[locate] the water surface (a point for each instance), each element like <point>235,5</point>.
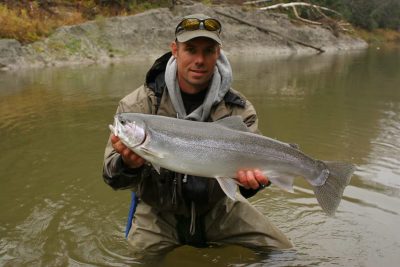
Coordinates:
<point>56,210</point>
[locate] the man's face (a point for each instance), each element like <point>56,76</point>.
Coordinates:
<point>196,60</point>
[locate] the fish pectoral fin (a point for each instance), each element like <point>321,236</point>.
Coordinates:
<point>228,185</point>
<point>151,153</point>
<point>154,155</point>
<point>156,167</point>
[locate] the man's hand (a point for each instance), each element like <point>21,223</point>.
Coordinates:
<point>252,178</point>
<point>129,158</point>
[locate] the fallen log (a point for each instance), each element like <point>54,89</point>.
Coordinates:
<point>334,25</point>
<point>256,2</point>
<point>268,31</point>
<point>294,4</point>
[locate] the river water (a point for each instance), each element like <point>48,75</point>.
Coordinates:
<point>56,210</point>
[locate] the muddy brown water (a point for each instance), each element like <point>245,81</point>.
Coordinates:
<point>56,210</point>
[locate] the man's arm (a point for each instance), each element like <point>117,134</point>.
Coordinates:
<point>122,168</point>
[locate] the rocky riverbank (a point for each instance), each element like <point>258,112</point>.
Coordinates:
<point>149,34</point>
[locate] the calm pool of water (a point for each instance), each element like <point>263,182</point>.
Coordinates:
<point>56,210</point>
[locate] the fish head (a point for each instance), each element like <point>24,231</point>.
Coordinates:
<point>130,130</point>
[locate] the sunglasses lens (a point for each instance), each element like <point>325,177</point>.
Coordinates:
<point>194,24</point>
<point>212,25</point>
<point>190,24</point>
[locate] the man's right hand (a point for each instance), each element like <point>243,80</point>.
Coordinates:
<point>129,158</point>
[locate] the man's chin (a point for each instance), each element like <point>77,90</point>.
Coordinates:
<point>199,79</point>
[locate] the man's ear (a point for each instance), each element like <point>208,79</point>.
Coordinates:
<point>218,50</point>
<point>174,49</point>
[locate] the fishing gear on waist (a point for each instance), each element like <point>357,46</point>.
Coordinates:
<point>174,192</point>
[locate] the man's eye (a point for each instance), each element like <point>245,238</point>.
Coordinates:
<point>210,51</point>
<point>191,50</point>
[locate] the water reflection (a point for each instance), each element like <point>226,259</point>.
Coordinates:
<point>57,211</point>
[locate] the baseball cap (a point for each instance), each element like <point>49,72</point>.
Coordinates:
<point>198,25</point>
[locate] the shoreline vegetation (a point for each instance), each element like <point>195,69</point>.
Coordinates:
<point>29,21</point>
<point>36,33</point>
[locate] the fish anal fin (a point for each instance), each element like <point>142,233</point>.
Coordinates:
<point>228,185</point>
<point>284,181</point>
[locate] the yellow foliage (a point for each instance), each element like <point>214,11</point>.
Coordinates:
<point>26,28</point>
<point>16,26</point>
<point>27,21</point>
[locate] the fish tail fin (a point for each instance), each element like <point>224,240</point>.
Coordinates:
<point>330,193</point>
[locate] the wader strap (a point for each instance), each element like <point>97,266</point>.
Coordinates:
<point>198,238</point>
<point>192,229</point>
<point>132,209</point>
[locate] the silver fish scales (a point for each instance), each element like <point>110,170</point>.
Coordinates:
<point>219,149</point>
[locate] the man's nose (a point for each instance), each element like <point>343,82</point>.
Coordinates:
<point>200,58</point>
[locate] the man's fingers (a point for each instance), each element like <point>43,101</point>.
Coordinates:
<point>260,177</point>
<point>129,157</point>
<point>251,180</point>
<point>114,139</point>
<point>137,160</point>
<point>126,153</point>
<point>241,176</point>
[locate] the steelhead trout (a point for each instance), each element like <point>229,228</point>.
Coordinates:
<point>219,149</point>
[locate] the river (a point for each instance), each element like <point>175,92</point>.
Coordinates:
<point>57,211</point>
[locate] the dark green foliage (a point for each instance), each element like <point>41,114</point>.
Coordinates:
<point>367,14</point>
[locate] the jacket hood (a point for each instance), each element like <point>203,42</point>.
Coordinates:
<point>153,77</point>
<point>155,81</point>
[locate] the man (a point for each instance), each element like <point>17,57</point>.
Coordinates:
<point>191,82</point>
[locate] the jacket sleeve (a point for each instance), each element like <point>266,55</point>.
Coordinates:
<point>115,173</point>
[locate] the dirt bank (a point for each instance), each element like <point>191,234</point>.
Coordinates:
<point>149,34</point>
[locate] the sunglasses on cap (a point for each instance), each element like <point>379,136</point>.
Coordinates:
<point>192,24</point>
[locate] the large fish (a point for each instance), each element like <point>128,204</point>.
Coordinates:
<point>219,149</point>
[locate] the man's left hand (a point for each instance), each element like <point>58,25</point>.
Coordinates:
<point>252,179</point>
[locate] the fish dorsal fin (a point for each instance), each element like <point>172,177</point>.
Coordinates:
<point>228,185</point>
<point>233,122</point>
